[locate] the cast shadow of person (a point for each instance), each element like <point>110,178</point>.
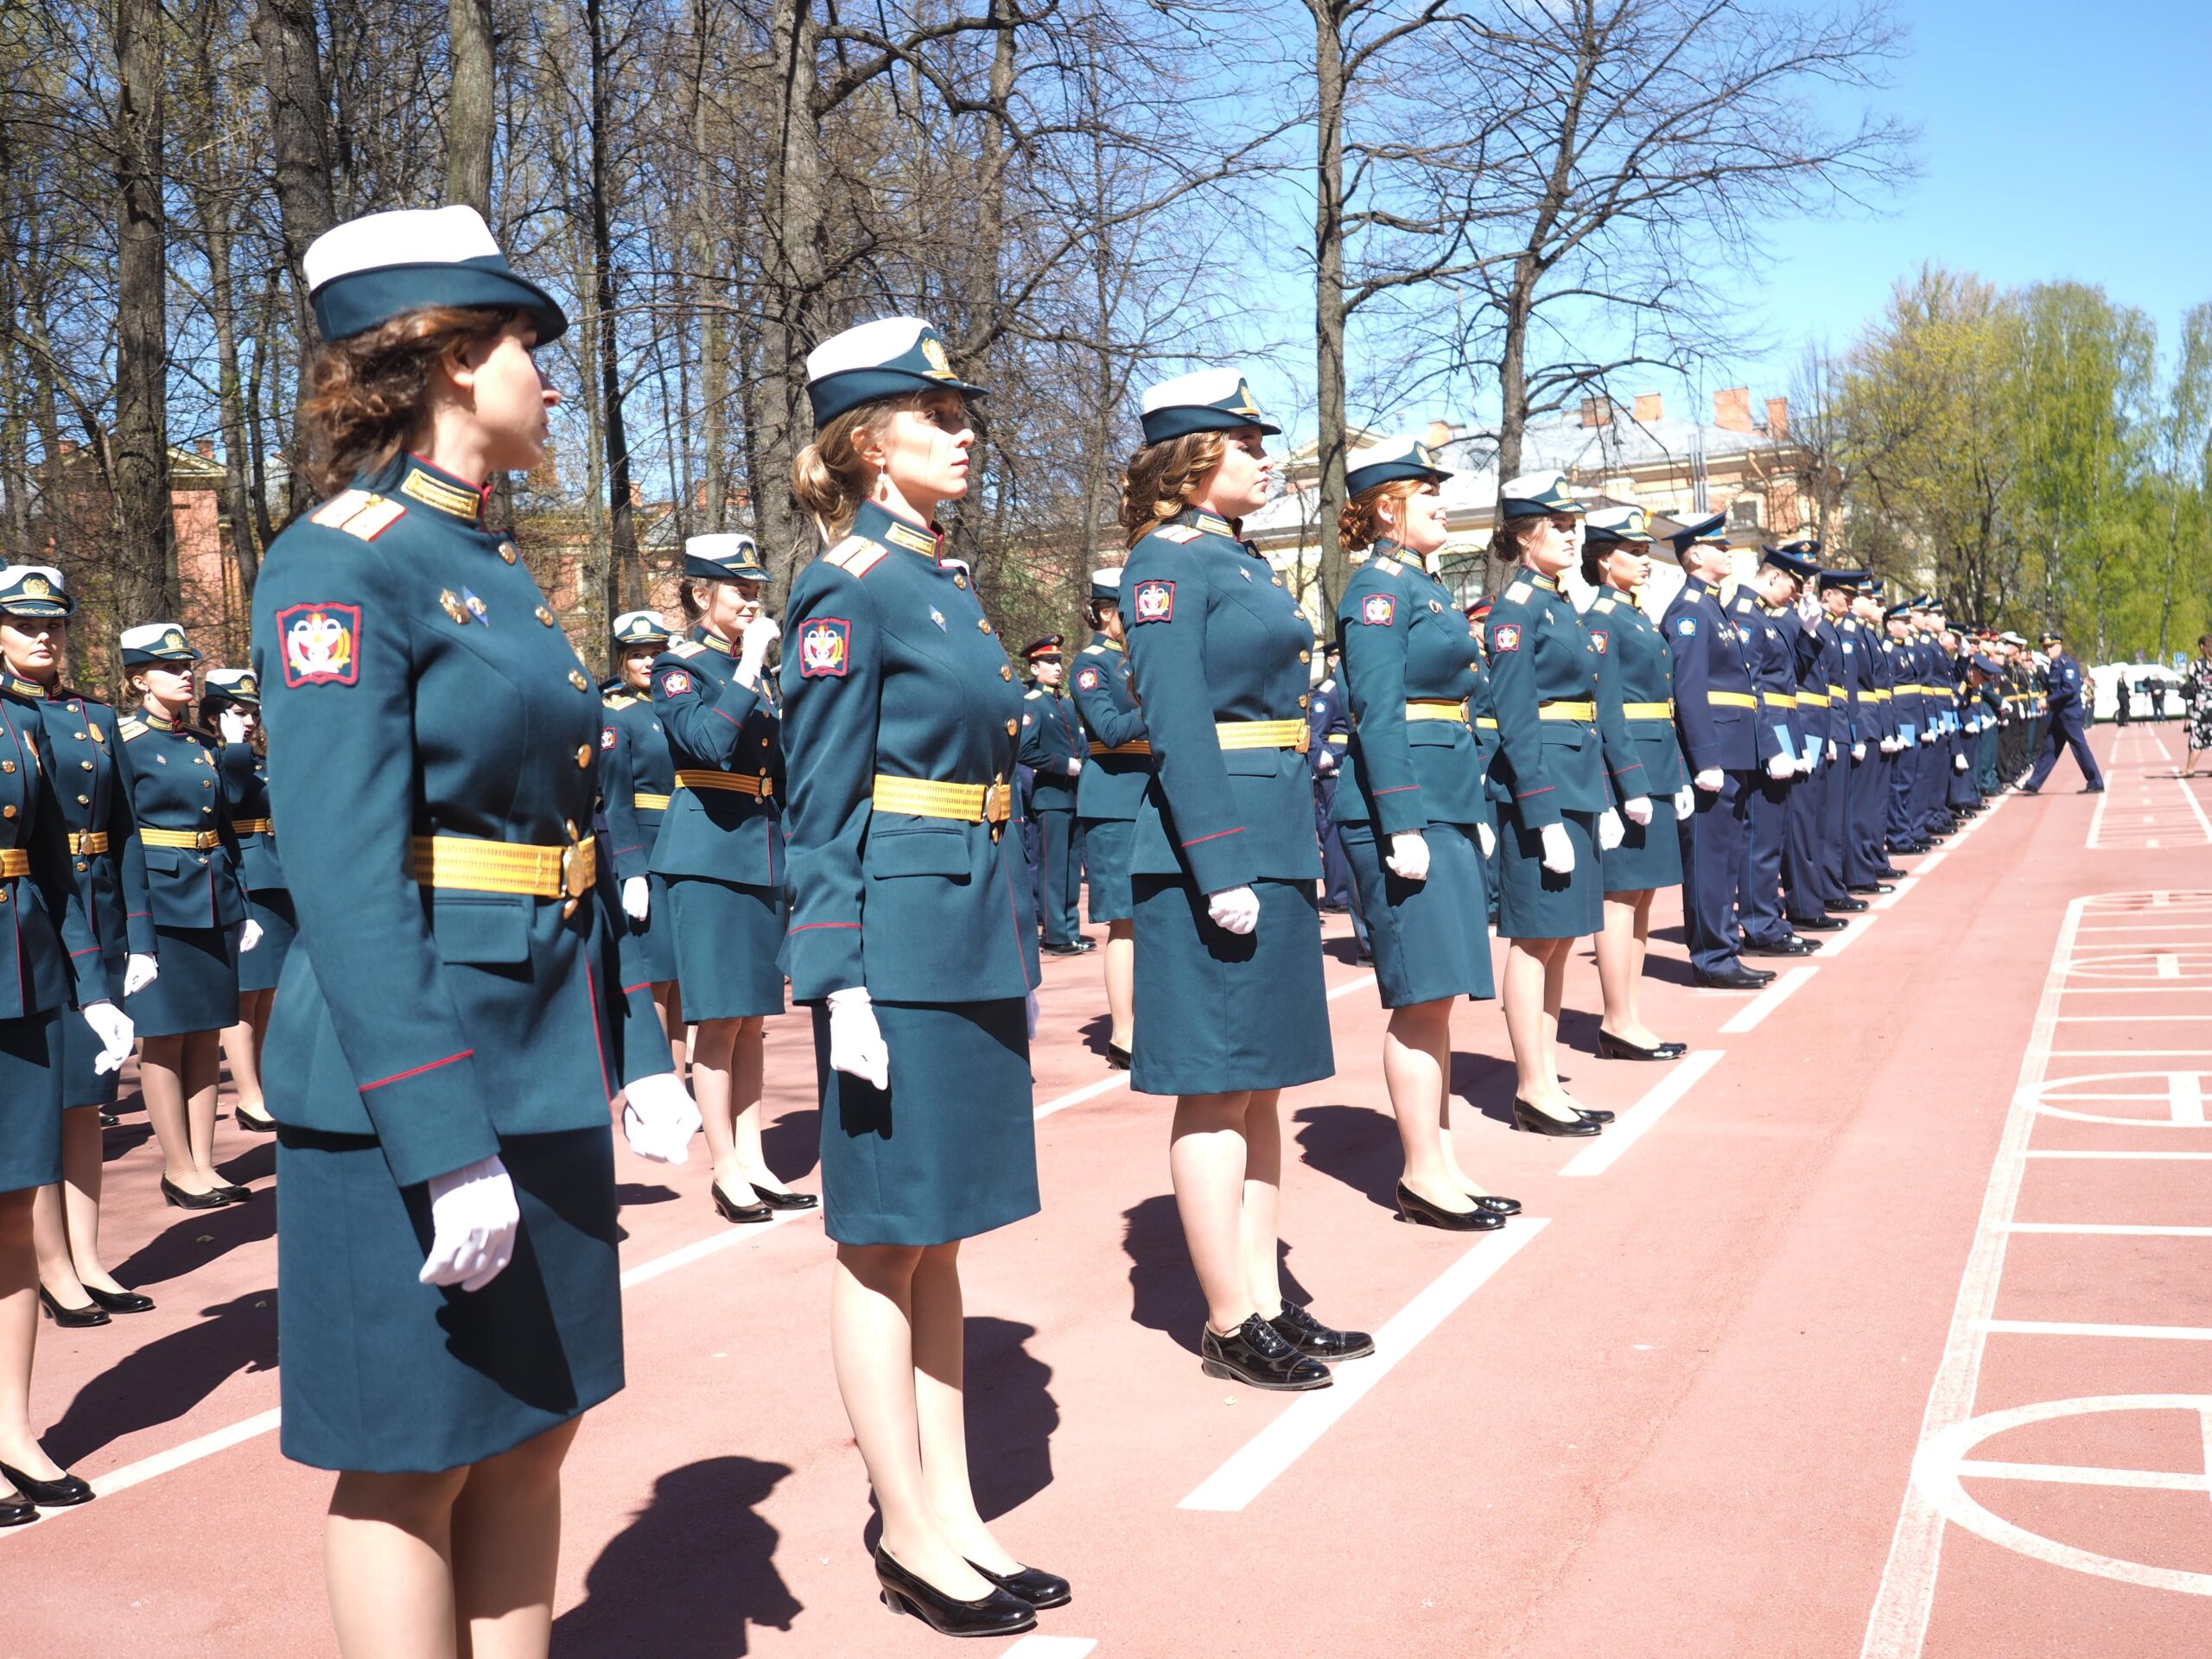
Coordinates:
<point>693,1569</point>
<point>162,1381</point>
<point>1163,1290</point>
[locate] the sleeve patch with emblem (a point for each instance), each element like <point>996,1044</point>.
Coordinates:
<point>1088,679</point>
<point>1598,639</point>
<point>606,737</point>
<point>1688,625</point>
<point>1155,599</point>
<point>321,644</point>
<point>675,684</point>
<point>825,648</point>
<point>1505,636</point>
<point>1377,610</point>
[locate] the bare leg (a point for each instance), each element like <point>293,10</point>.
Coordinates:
<point>1641,936</point>
<point>65,1219</point>
<point>161,1079</point>
<point>1528,992</point>
<point>1554,999</point>
<point>387,1561</point>
<point>1417,1068</point>
<point>746,1062</point>
<point>668,1002</point>
<point>871,1347</point>
<point>242,1051</point>
<point>1260,1227</point>
<point>711,1086</point>
<point>507,1549</point>
<point>202,1074</point>
<point>1121,982</point>
<point>940,1403</point>
<point>19,1446</point>
<point>1620,965</point>
<point>1206,1157</point>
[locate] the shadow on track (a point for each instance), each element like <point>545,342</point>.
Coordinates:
<point>1164,1291</point>
<point>161,1381</point>
<point>792,1144</point>
<point>177,1249</point>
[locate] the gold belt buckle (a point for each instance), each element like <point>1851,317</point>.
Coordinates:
<point>993,793</point>
<point>576,872</point>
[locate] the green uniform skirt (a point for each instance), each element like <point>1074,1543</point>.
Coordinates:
<point>260,968</point>
<point>1217,1015</point>
<point>1649,856</point>
<point>727,938</point>
<point>387,1375</point>
<point>1106,844</point>
<point>949,1149</point>
<point>198,987</point>
<point>30,1099</point>
<point>1431,938</point>
<point>1534,904</point>
<point>80,1046</point>
<point>649,952</point>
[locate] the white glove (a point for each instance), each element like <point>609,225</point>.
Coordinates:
<point>1489,840</point>
<point>1075,765</point>
<point>637,897</point>
<point>1559,851</point>
<point>1832,749</point>
<point>231,724</point>
<point>1958,763</point>
<point>250,935</point>
<point>113,1027</point>
<point>1859,751</point>
<point>659,1117</point>
<point>1780,767</point>
<point>1236,909</point>
<point>1326,765</point>
<point>473,1217</point>
<point>752,651</point>
<point>1029,1012</point>
<point>1636,808</point>
<point>1928,737</point>
<point>1685,801</point>
<point>139,970</point>
<point>1609,830</point>
<point>856,1045</point>
<point>1408,858</point>
<point>1709,780</point>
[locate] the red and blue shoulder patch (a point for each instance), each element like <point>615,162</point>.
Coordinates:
<point>1598,639</point>
<point>321,644</point>
<point>1505,636</point>
<point>1087,679</point>
<point>675,683</point>
<point>825,649</point>
<point>1154,601</point>
<point>1378,610</point>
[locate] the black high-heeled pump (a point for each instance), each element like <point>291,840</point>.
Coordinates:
<point>1038,1589</point>
<point>1117,1059</point>
<point>1593,1113</point>
<point>120,1302</point>
<point>731,1210</point>
<point>1526,1116</point>
<point>1500,1205</point>
<point>181,1199</point>
<point>70,1318</point>
<point>263,1124</point>
<point>1414,1208</point>
<point>1000,1613</point>
<point>775,1200</point>
<point>1611,1048</point>
<point>63,1494</point>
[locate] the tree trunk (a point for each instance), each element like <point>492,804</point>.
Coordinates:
<point>237,500</point>
<point>791,284</point>
<point>624,581</point>
<point>1329,292</point>
<point>706,269</point>
<point>146,584</point>
<point>291,66</point>
<point>469,104</point>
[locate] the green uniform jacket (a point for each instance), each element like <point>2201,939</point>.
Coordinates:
<point>176,784</point>
<point>259,865</point>
<point>634,761</point>
<point>84,747</point>
<point>713,724</point>
<point>1540,654</point>
<point>1635,670</point>
<point>1051,737</point>
<point>1404,641</point>
<point>46,932</point>
<point>1112,785</point>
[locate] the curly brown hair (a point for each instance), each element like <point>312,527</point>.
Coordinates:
<point>1510,541</point>
<point>1361,523</point>
<point>829,476</point>
<point>1158,481</point>
<point>366,394</point>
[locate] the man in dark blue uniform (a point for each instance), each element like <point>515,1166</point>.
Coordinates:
<point>1760,609</point>
<point>1052,748</point>
<point>1717,709</point>
<point>1904,658</point>
<point>2063,683</point>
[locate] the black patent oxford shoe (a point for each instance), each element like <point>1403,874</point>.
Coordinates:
<point>120,1302</point>
<point>1791,946</point>
<point>1257,1354</point>
<point>1414,1208</point>
<point>1051,948</point>
<point>181,1199</point>
<point>70,1318</point>
<point>1297,1327</point>
<point>1611,1048</point>
<point>1000,1613</point>
<point>63,1494</point>
<point>738,1209</point>
<point>1038,1589</point>
<point>1526,1116</point>
<point>1818,923</point>
<point>1734,979</point>
<point>1889,872</point>
<point>1846,906</point>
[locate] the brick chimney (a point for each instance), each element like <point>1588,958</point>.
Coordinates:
<point>1732,409</point>
<point>1597,411</point>
<point>1777,418</point>
<point>1649,407</point>
<point>1438,434</point>
<point>206,448</point>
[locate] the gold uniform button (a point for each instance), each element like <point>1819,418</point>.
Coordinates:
<point>1305,656</point>
<point>84,766</point>
<point>7,765</point>
<point>984,623</point>
<point>1278,582</point>
<point>83,800</point>
<point>1303,700</point>
<point>545,616</point>
<point>583,755</point>
<point>507,551</point>
<point>1011,727</point>
<point>7,811</point>
<point>578,681</point>
<point>959,581</point>
<point>82,865</point>
<point>1006,671</point>
<point>207,783</point>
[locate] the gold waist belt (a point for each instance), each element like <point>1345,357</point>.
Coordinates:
<point>1487,723</point>
<point>1135,745</point>
<point>1783,699</point>
<point>1732,699</point>
<point>735,783</point>
<point>476,866</point>
<point>1812,700</point>
<point>14,862</point>
<point>1649,710</point>
<point>1263,735</point>
<point>644,802</point>
<point>198,840</point>
<point>1835,691</point>
<point>1437,708</point>
<point>926,797</point>
<point>88,840</point>
<point>1340,738</point>
<point>1563,710</point>
<point>254,826</point>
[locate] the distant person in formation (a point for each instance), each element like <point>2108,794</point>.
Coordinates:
<point>910,942</point>
<point>1410,807</point>
<point>1232,1007</point>
<point>110,871</point>
<point>451,1023</point>
<point>1762,611</point>
<point>1052,748</point>
<point>1107,794</point>
<point>2063,682</point>
<point>231,700</point>
<point>2197,695</point>
<point>637,782</point>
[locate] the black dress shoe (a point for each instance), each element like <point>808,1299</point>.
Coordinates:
<point>1863,888</point>
<point>1256,1353</point>
<point>120,1302</point>
<point>233,1194</point>
<point>1297,1327</point>
<point>1819,924</point>
<point>1889,872</point>
<point>1050,949</point>
<point>1037,1588</point>
<point>1000,1613</point>
<point>1791,946</point>
<point>2030,789</point>
<point>1117,1057</point>
<point>17,1512</point>
<point>734,1210</point>
<point>63,1494</point>
<point>70,1318</point>
<point>1848,905</point>
<point>1502,1205</point>
<point>2093,788</point>
<point>263,1124</point>
<point>109,1119</point>
<point>1526,1116</point>
<point>181,1199</point>
<point>1611,1048</point>
<point>1734,979</point>
<point>1086,943</point>
<point>1416,1209</point>
<point>775,1200</point>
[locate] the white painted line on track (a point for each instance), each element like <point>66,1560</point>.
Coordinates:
<point>1840,943</point>
<point>1256,1464</point>
<point>699,1248</point>
<point>1050,1647</point>
<point>1766,1002</point>
<point>2195,806</point>
<point>2096,842</point>
<point>1931,860</point>
<point>1631,1125</point>
<point>2060,1153</point>
<point>2108,1229</point>
<point>1885,900</point>
<point>2081,1328</point>
<point>2075,1475</point>
<point>206,1446</point>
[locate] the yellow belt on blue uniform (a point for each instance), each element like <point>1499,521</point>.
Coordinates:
<point>645,801</point>
<point>14,862</point>
<point>734,782</point>
<point>254,826</point>
<point>1564,709</point>
<point>929,797</point>
<point>1437,708</point>
<point>1732,699</point>
<point>198,840</point>
<point>1783,699</point>
<point>1486,722</point>
<point>1263,735</point>
<point>1649,710</point>
<point>474,866</point>
<point>92,841</point>
<point>1812,700</point>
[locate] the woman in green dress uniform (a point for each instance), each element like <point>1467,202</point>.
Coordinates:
<point>94,798</point>
<point>452,1022</point>
<point>1231,1007</point>
<point>1635,706</point>
<point>1107,794</point>
<point>913,939</point>
<point>48,960</point>
<point>231,701</point>
<point>185,787</point>
<point>1410,808</point>
<point>720,851</point>
<point>1556,804</point>
<point>637,779</point>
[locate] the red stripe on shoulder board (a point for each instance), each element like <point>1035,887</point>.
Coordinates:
<point>417,1070</point>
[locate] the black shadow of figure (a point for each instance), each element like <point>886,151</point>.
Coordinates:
<point>792,1144</point>
<point>629,1192</point>
<point>168,1377</point>
<point>1163,1290</point>
<point>257,1163</point>
<point>1011,1415</point>
<point>1096,1032</point>
<point>1484,1082</point>
<point>1673,971</point>
<point>1356,1145</point>
<point>689,1574</point>
<point>176,1251</point>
